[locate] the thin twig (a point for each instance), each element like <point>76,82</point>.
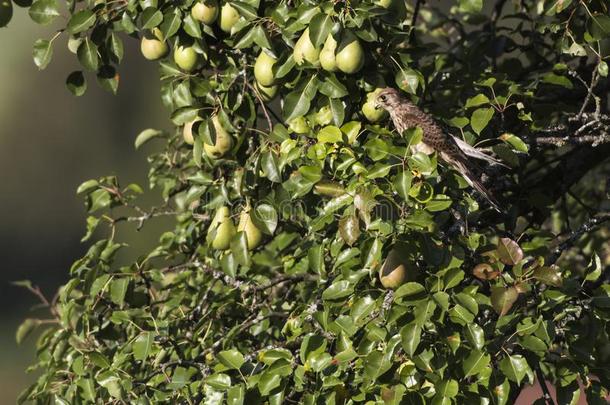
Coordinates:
<point>588,226</point>
<point>414,20</point>
<point>262,103</point>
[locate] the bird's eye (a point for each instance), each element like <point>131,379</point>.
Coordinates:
<point>383,97</point>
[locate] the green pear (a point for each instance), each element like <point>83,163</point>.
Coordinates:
<point>370,111</point>
<point>153,47</point>
<point>350,55</point>
<point>223,144</point>
<point>253,234</point>
<point>328,60</point>
<point>228,18</point>
<point>186,58</point>
<point>304,51</point>
<point>221,229</point>
<point>205,11</point>
<point>263,69</point>
<point>393,273</point>
<point>6,12</point>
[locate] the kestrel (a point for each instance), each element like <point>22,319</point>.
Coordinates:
<point>451,150</point>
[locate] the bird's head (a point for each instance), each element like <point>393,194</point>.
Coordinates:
<point>388,99</point>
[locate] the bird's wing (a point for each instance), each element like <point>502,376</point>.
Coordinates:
<point>476,153</point>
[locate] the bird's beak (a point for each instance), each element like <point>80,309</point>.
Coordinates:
<point>377,105</point>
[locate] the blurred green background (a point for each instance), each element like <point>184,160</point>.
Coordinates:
<point>51,141</point>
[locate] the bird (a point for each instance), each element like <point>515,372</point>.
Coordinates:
<point>453,151</point>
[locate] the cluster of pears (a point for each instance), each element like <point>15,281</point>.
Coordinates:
<point>224,141</point>
<point>222,229</point>
<point>154,45</point>
<point>346,56</point>
<point>207,12</point>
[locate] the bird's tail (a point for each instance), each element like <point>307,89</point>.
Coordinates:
<point>476,153</point>
<point>475,183</point>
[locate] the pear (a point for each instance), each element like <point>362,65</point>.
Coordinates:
<point>153,47</point>
<point>223,141</point>
<point>304,51</point>
<point>6,12</point>
<point>187,131</point>
<point>185,57</point>
<point>205,11</point>
<point>393,273</point>
<point>253,234</point>
<point>370,111</point>
<point>222,229</point>
<point>263,69</point>
<point>228,18</point>
<point>350,57</point>
<point>327,56</point>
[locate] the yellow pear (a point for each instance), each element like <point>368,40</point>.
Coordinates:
<point>304,51</point>
<point>187,131</point>
<point>222,229</point>
<point>228,17</point>
<point>327,56</point>
<point>263,69</point>
<point>393,273</point>
<point>205,11</point>
<point>223,141</point>
<point>153,47</point>
<point>253,234</point>
<point>350,56</point>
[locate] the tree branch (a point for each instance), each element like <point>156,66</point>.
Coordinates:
<point>573,238</point>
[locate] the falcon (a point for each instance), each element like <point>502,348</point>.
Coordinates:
<point>451,150</point>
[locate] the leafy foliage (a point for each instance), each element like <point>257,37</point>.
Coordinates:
<point>290,196</point>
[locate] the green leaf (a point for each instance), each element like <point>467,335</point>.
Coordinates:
<point>475,335</point>
<point>470,6</point>
<point>410,337</point>
<point>477,100</point>
<point>118,289</point>
<point>330,134</point>
<point>298,102</point>
<point>476,362</point>
<point>515,367</point>
<point>402,184</point>
<point>268,382</point>
<point>516,142</point>
<point>319,28</point>
<point>503,298</point>
<point>349,229</point>
<point>549,275</point>
<point>219,381</point>
<point>337,290</point>
<point>594,269</point>
<point>265,218</point>
<point>87,55</point>
<point>172,20</point>
<point>231,359</point>
<point>43,52</point>
<point>142,346</point>
<point>44,11</point>
<point>599,26</point>
<point>25,329</point>
<point>376,364</point>
<point>270,166</point>
<point>447,388</point>
<point>150,18</point>
<point>480,118</point>
<point>81,21</point>
<point>146,135</point>
<point>332,87</point>
<point>552,78</point>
